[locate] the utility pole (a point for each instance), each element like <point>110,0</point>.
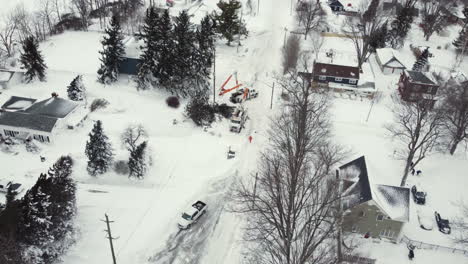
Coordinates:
<point>285,31</point>
<point>370,109</point>
<point>272,90</point>
<point>109,236</point>
<point>258,6</point>
<point>214,74</point>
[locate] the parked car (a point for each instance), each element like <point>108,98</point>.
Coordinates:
<point>192,214</point>
<point>443,224</point>
<point>425,219</point>
<point>419,197</point>
<point>15,187</point>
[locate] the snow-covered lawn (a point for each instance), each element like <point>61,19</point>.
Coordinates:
<point>191,164</point>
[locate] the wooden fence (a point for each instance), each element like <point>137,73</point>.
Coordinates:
<point>358,259</point>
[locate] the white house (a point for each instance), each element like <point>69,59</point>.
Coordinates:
<point>24,118</point>
<point>388,61</point>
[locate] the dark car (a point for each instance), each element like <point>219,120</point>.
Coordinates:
<point>443,224</point>
<point>419,197</point>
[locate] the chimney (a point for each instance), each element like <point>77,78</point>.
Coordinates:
<point>54,95</point>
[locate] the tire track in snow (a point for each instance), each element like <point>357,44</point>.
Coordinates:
<point>187,246</point>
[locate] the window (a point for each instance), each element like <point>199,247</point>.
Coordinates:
<point>41,138</point>
<point>345,204</point>
<point>380,217</point>
<point>351,81</point>
<point>387,233</point>
<point>362,214</point>
<point>322,78</point>
<point>10,133</point>
<point>338,79</point>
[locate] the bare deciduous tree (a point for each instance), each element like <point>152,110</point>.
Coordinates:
<point>362,31</point>
<point>433,19</point>
<point>83,8</point>
<point>455,112</point>
<point>317,43</point>
<point>132,135</point>
<point>310,15</point>
<point>291,53</point>
<point>290,202</point>
<point>417,128</point>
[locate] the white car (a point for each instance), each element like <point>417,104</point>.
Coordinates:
<point>426,219</point>
<point>192,214</point>
<point>15,187</point>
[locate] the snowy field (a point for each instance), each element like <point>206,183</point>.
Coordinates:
<point>191,164</point>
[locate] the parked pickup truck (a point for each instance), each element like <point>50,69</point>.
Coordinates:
<point>192,214</point>
<point>15,187</point>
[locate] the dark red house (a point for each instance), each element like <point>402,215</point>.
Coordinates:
<point>415,86</point>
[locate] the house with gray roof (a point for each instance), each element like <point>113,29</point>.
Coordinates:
<point>375,210</point>
<point>25,118</point>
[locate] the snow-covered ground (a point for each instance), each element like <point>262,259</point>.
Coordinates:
<point>191,164</point>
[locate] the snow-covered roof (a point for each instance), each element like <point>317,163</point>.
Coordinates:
<point>132,47</point>
<point>420,77</point>
<point>389,57</point>
<point>336,70</point>
<point>53,107</point>
<point>393,200</point>
<point>16,103</point>
<point>5,76</point>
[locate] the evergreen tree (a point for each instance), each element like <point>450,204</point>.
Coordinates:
<point>138,162</point>
<point>145,76</point>
<point>61,190</point>
<point>199,110</point>
<point>402,24</point>
<point>379,38</point>
<point>165,56</point>
<point>32,60</point>
<point>422,60</point>
<point>461,42</point>
<point>76,90</point>
<point>184,67</point>
<point>111,55</point>
<point>227,22</point>
<point>34,227</point>
<point>205,40</point>
<point>9,197</point>
<point>98,151</point>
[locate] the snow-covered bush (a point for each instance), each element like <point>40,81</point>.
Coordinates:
<point>224,110</point>
<point>98,104</point>
<point>121,167</point>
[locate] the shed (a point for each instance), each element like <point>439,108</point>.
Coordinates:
<point>130,62</point>
<point>389,62</point>
<point>336,6</point>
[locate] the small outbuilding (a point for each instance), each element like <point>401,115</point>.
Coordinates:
<point>336,6</point>
<point>131,60</point>
<point>389,62</point>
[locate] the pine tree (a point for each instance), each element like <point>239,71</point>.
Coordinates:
<point>32,60</point>
<point>422,60</point>
<point>379,38</point>
<point>76,90</point>
<point>199,110</point>
<point>184,70</point>
<point>402,24</point>
<point>205,40</point>
<point>9,197</point>
<point>228,23</point>
<point>34,227</point>
<point>145,76</point>
<point>461,43</point>
<point>165,56</point>
<point>98,151</point>
<point>111,55</point>
<point>138,162</point>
